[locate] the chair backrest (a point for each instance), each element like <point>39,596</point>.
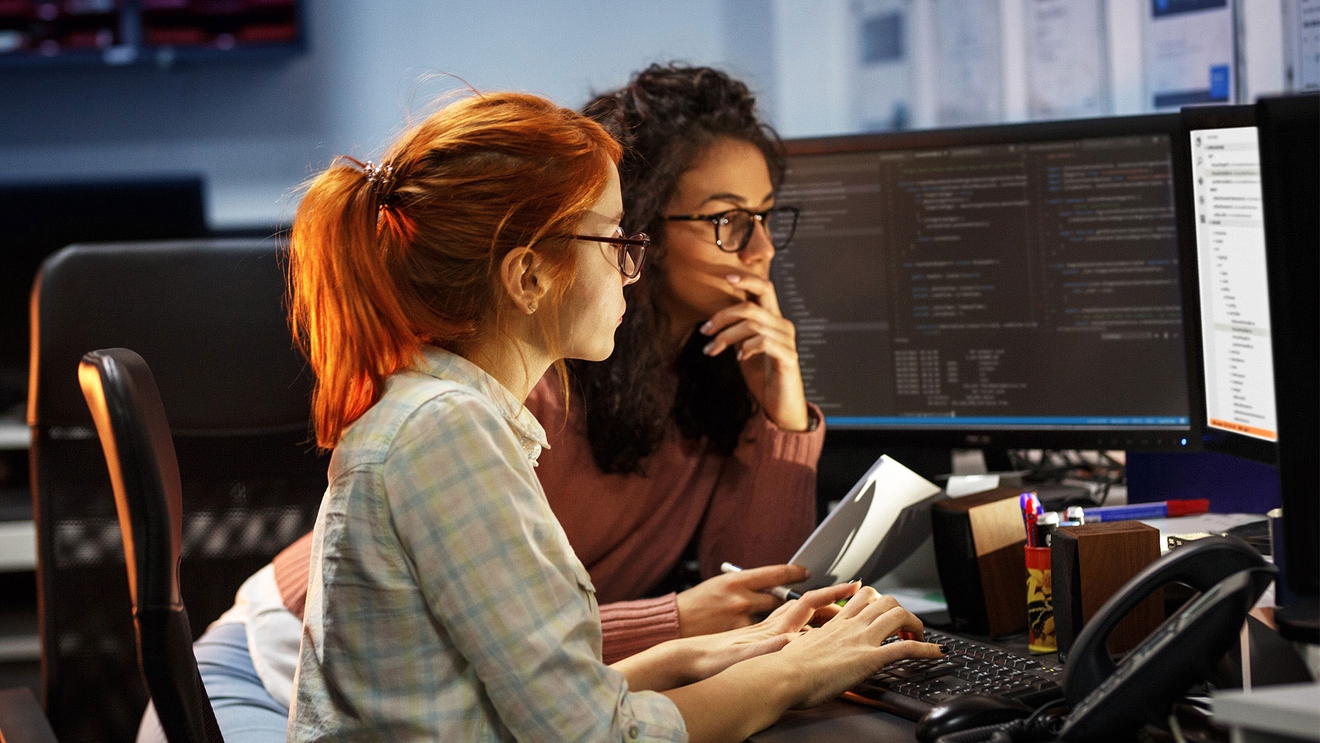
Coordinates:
<point>139,454</point>
<point>209,317</point>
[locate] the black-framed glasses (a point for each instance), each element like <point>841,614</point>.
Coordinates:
<point>631,250</point>
<point>734,227</point>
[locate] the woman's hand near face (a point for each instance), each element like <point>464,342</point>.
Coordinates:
<point>766,342</point>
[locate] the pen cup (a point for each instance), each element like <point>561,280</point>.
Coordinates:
<point>1040,609</point>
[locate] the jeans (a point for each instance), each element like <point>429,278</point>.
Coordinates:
<point>244,709</point>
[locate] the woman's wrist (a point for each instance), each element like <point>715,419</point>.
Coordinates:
<point>804,421</point>
<point>668,665</point>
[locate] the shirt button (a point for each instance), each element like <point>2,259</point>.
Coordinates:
<point>633,732</point>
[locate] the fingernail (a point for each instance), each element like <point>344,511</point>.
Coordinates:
<point>705,329</point>
<point>706,349</point>
<point>945,649</point>
<point>733,278</point>
<point>739,355</point>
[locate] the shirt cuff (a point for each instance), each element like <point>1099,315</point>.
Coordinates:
<point>799,447</point>
<point>651,717</point>
<point>629,627</point>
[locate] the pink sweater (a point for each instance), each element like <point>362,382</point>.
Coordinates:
<point>752,508</point>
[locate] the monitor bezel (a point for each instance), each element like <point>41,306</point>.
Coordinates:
<point>1290,239</point>
<point>1195,118</point>
<point>1150,439</point>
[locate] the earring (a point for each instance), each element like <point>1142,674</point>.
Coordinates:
<point>531,308</point>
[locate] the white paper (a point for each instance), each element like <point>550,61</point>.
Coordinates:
<point>960,485</point>
<point>1304,33</point>
<point>1067,59</point>
<point>1190,56</point>
<point>838,549</point>
<point>968,65</point>
<point>881,96</point>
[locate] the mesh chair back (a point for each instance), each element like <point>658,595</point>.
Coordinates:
<point>139,453</point>
<point>209,317</point>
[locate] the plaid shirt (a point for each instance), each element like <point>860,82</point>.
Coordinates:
<point>445,602</point>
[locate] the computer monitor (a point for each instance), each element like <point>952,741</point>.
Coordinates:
<point>39,219</point>
<point>1005,286</point>
<point>1290,179</point>
<point>1221,211</point>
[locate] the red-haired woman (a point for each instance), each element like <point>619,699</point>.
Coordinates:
<point>433,292</point>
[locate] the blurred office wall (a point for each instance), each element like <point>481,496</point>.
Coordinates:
<point>257,129</point>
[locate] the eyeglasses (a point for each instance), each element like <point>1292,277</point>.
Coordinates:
<point>734,227</point>
<point>631,250</point>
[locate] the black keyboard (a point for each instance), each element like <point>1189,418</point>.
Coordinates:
<point>909,688</point>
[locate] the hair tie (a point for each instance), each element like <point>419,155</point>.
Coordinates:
<point>379,177</point>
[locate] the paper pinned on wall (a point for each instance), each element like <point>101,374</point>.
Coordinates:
<point>1067,59</point>
<point>1302,31</point>
<point>1190,54</point>
<point>968,62</point>
<point>881,96</point>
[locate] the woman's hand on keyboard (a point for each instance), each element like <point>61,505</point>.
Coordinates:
<point>691,659</point>
<point>848,648</point>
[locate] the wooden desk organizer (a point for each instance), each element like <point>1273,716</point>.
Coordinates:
<point>1089,564</point>
<point>978,552</point>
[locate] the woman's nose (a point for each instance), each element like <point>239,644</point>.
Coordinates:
<point>759,246</point>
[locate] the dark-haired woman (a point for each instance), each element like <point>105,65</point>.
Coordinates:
<point>693,437</point>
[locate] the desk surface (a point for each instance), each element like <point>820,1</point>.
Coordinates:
<point>838,722</point>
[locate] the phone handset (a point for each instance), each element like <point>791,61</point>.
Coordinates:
<point>1106,697</point>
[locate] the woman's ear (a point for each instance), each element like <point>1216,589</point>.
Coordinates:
<point>524,279</point>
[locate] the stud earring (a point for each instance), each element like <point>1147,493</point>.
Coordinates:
<point>531,308</point>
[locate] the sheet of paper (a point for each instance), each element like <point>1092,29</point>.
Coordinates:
<point>1304,19</point>
<point>968,64</point>
<point>1067,59</point>
<point>838,550</point>
<point>960,485</point>
<point>1206,522</point>
<point>881,98</point>
<point>1189,53</point>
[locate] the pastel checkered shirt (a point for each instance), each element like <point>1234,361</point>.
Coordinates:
<point>445,602</point>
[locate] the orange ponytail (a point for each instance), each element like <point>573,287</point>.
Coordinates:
<point>384,261</point>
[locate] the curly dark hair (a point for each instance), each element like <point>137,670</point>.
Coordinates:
<point>665,117</point>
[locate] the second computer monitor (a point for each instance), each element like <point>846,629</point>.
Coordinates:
<point>1011,285</point>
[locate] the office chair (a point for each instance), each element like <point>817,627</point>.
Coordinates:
<point>210,315</point>
<point>139,452</point>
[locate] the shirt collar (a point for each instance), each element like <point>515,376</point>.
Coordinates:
<point>442,364</point>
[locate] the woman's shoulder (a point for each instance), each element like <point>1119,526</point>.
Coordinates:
<point>413,405</point>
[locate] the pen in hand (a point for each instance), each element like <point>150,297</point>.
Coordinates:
<point>783,593</point>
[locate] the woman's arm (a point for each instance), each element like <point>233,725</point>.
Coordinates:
<point>691,659</point>
<point>764,504</point>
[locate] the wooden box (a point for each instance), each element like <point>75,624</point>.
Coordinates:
<point>978,552</point>
<point>1089,564</point>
